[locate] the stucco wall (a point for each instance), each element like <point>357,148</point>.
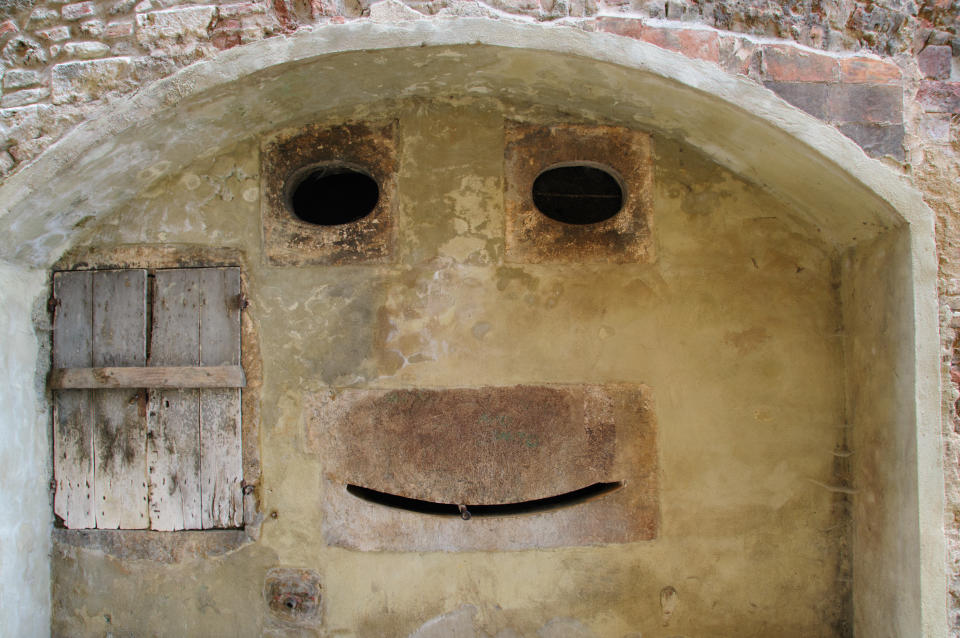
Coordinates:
<point>736,335</point>
<point>25,515</point>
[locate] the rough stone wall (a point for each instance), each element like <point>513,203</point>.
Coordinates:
<point>61,59</point>
<point>885,72</point>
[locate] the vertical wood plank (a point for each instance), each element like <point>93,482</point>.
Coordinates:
<point>174,415</point>
<point>119,434</point>
<point>73,417</point>
<point>221,464</point>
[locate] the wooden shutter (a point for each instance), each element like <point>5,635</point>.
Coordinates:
<point>126,459</point>
<point>195,460</point>
<point>100,435</point>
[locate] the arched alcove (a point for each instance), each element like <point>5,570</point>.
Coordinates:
<point>854,208</point>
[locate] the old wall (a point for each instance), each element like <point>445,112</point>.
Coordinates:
<point>24,459</point>
<point>736,336</point>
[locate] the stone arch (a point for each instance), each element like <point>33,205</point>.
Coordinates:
<point>256,88</point>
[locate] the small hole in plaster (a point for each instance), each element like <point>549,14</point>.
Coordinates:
<point>332,194</point>
<point>578,193</point>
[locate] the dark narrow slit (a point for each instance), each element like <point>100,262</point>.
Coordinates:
<point>499,509</point>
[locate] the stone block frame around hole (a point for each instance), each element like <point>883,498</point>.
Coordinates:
<point>532,237</point>
<point>369,148</point>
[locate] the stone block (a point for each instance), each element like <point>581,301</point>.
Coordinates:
<point>42,17</point>
<point>182,22</point>
<point>238,9</point>
<point>865,103</point>
<point>78,10</point>
<point>869,71</point>
<point>86,50</point>
<point>935,62</point>
<point>8,28</point>
<point>82,81</point>
<point>24,97</point>
<point>56,34</point>
<point>939,97</point>
<point>806,96</point>
<point>783,63</point>
<point>20,79</point>
<point>392,11</point>
<point>92,28</point>
<point>121,29</point>
<point>877,140</point>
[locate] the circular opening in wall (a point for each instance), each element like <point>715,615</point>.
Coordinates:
<point>580,193</point>
<point>332,194</point>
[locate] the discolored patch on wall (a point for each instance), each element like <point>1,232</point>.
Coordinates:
<point>486,468</point>
<point>293,597</point>
<point>532,237</point>
<point>369,149</point>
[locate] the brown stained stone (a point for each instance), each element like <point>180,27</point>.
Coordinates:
<point>291,242</point>
<point>531,237</point>
<point>486,446</point>
<point>293,596</point>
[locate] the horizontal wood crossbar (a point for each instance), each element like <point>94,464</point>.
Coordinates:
<point>148,377</point>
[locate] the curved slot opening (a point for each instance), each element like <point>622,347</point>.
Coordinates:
<point>465,511</point>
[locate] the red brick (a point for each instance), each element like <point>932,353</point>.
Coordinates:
<point>868,71</point>
<point>702,44</point>
<point>934,62</point>
<point>789,64</point>
<point>939,97</point>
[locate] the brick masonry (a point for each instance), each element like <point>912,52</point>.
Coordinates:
<point>886,73</point>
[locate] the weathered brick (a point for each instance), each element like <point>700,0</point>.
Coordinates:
<point>935,62</point>
<point>694,43</point>
<point>877,140</point>
<point>868,71</point>
<point>175,23</point>
<point>789,64</point>
<point>226,34</point>
<point>939,97</point>
<point>20,78</point>
<point>78,10</point>
<point>55,34</point>
<point>83,81</point>
<point>807,96</point>
<point>24,97</point>
<point>86,50</point>
<point>876,103</point>
<point>120,29</point>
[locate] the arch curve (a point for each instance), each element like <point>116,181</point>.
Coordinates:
<point>259,87</point>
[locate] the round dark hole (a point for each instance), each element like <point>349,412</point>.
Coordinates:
<point>333,195</point>
<point>577,194</point>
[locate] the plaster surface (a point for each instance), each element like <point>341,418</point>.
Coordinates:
<point>734,328</point>
<point>25,514</point>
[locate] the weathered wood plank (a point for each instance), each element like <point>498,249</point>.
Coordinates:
<point>221,459</point>
<point>73,416</point>
<point>174,415</point>
<point>119,433</point>
<point>147,377</point>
